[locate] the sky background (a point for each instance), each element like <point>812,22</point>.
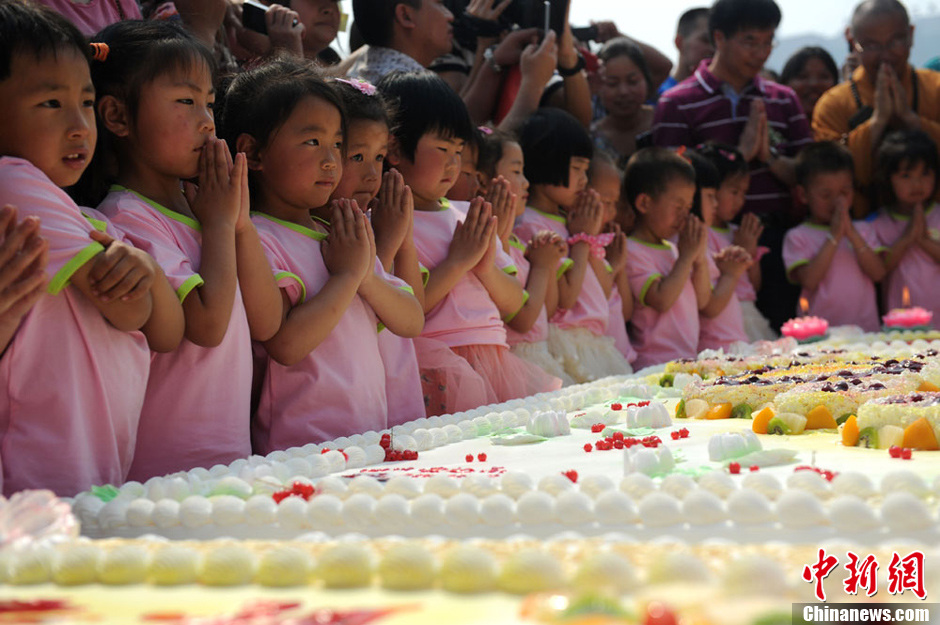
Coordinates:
<point>654,22</point>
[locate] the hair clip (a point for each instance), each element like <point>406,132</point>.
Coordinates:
<point>362,86</point>
<point>99,51</point>
<point>486,130</point>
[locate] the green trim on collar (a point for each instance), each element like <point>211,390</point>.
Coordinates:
<point>183,219</point>
<point>304,230</point>
<point>559,218</point>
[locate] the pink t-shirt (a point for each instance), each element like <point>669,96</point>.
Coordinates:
<point>92,16</point>
<point>72,385</point>
<point>845,296</point>
<point>339,388</point>
<point>917,270</point>
<point>617,327</point>
<point>592,311</point>
<point>539,330</point>
<point>659,337</point>
<point>721,331</point>
<point>197,409</point>
<point>466,315</point>
<point>719,239</point>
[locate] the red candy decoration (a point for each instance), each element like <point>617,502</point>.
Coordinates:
<point>469,458</point>
<point>754,468</point>
<point>616,406</point>
<point>588,447</point>
<point>894,451</point>
<point>571,475</point>
<point>906,454</point>
<point>734,468</point>
<point>481,457</point>
<point>597,428</point>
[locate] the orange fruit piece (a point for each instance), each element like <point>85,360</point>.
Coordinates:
<point>920,435</point>
<point>820,418</point>
<point>761,418</point>
<point>927,387</point>
<point>850,432</point>
<point>719,411</point>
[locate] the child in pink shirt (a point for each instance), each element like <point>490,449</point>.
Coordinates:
<point>197,409</point>
<point>557,153</point>
<point>908,226</point>
<point>75,372</point>
<point>733,180</point>
<point>831,257</point>
<point>670,283</point>
<point>390,205</point>
<point>469,291</point>
<point>721,324</point>
<point>325,376</point>
<point>501,163</point>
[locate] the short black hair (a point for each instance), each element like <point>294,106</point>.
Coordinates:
<point>550,138</point>
<point>706,177</point>
<point>424,104</point>
<point>900,150</point>
<point>801,57</point>
<point>31,28</point>
<point>726,158</point>
<point>650,171</point>
<point>732,16</point>
<point>822,157</point>
<point>360,105</point>
<point>374,19</point>
<point>621,46</point>
<point>689,19</point>
<point>491,150</point>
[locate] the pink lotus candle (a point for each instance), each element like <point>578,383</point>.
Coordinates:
<point>805,328</point>
<point>907,317</point>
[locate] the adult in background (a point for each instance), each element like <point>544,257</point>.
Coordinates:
<point>93,15</point>
<point>694,44</point>
<point>625,86</point>
<point>402,35</point>
<point>884,93</point>
<point>810,72</point>
<point>727,101</point>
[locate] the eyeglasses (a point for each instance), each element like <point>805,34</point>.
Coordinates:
<point>755,45</point>
<point>896,44</point>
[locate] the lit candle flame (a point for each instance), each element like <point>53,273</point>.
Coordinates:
<point>804,306</point>
<point>905,298</point>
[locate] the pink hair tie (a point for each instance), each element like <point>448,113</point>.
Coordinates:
<point>486,130</point>
<point>99,51</point>
<point>362,86</point>
<point>597,242</point>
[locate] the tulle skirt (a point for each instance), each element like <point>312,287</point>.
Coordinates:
<point>755,324</point>
<point>448,382</point>
<point>506,375</point>
<point>584,355</point>
<point>537,353</point>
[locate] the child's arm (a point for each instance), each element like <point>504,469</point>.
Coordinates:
<point>622,284</point>
<point>812,273</point>
<point>471,241</point>
<point>747,236</point>
<point>867,258</point>
<point>392,212</point>
<point>895,253</point>
<point>504,289</point>
<point>732,262</point>
<point>260,293</point>
<point>217,206</point>
<point>543,257</point>
<point>23,257</point>
<point>701,280</point>
<point>346,254</point>
<point>397,309</point>
<point>125,314</point>
<point>664,292</point>
<point>128,274</point>
<point>922,235</point>
<point>615,259</point>
<point>586,217</point>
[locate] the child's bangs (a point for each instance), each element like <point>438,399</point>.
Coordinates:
<point>176,57</point>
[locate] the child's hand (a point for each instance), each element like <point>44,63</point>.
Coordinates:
<point>346,250</point>
<point>733,260</point>
<point>488,261</point>
<point>917,228</point>
<point>23,257</point>
<point>218,201</point>
<point>587,216</point>
<point>616,252</point>
<point>392,211</point>
<point>544,251</point>
<point>691,238</point>
<point>749,233</point>
<point>503,200</point>
<point>472,236</point>
<point>285,30</point>
<point>840,223</point>
<point>121,271</point>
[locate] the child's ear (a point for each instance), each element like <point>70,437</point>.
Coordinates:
<point>113,114</point>
<point>800,192</point>
<point>394,156</point>
<point>642,203</point>
<point>249,145</point>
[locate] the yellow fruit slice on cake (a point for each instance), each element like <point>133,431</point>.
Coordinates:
<point>920,435</point>
<point>820,418</point>
<point>761,418</point>
<point>850,432</point>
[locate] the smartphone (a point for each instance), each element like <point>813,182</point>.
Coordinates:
<point>585,33</point>
<point>253,16</point>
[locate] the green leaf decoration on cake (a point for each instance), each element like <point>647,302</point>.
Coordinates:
<point>515,436</point>
<point>594,605</point>
<point>105,493</point>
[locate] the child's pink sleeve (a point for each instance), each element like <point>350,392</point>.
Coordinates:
<point>869,234</point>
<point>505,262</point>
<point>287,279</point>
<point>798,250</point>
<point>642,272</point>
<point>61,222</point>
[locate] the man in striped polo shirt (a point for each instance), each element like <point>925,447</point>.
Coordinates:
<point>726,101</point>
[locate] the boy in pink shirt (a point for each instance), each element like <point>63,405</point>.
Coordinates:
<point>833,258</point>
<point>670,283</point>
